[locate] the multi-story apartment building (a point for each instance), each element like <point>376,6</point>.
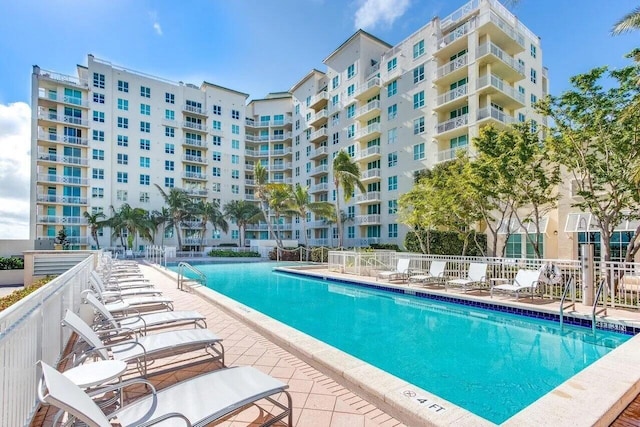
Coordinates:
<point>107,136</point>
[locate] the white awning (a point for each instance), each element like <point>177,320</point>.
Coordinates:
<point>513,226</point>
<point>581,222</point>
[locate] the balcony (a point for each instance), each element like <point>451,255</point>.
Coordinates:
<point>449,126</point>
<point>501,92</point>
<point>280,166</point>
<point>256,138</point>
<point>319,118</point>
<point>194,159</point>
<point>249,182</point>
<point>368,89</point>
<point>319,100</point>
<point>495,116</point>
<point>194,143</point>
<point>368,111</point>
<point>451,153</point>
<point>249,197</point>
<point>318,242</point>
<point>368,153</point>
<point>367,219</point>
<point>369,197</point>
<point>319,152</point>
<point>45,156</point>
<point>501,32</point>
<point>194,175</point>
<point>192,224</point>
<point>369,132</point>
<point>59,118</point>
<point>370,175</point>
<point>196,241</point>
<point>503,64</point>
<point>65,139</point>
<point>281,136</point>
<point>452,71</point>
<point>194,110</point>
<point>459,14</point>
<point>63,79</point>
<point>266,123</point>
<point>319,135</point>
<point>281,180</point>
<point>319,170</point>
<point>249,167</point>
<point>280,152</point>
<point>452,99</point>
<point>64,99</point>
<point>194,126</point>
<point>67,200</point>
<point>319,188</point>
<point>53,219</point>
<point>62,179</point>
<point>198,192</point>
<point>454,41</point>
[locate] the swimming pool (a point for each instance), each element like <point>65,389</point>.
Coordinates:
<point>492,364</point>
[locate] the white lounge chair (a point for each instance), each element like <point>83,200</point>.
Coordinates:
<point>525,281</point>
<point>400,273</point>
<point>121,284</point>
<point>197,401</point>
<point>476,276</point>
<point>434,275</point>
<point>108,325</point>
<point>115,293</point>
<point>143,349</point>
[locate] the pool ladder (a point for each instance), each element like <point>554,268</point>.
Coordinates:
<point>200,276</point>
<point>563,307</point>
<point>594,312</point>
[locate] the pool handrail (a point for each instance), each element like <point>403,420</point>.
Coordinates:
<point>570,284</point>
<point>201,277</point>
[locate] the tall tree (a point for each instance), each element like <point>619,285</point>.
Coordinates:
<point>264,191</point>
<point>159,218</point>
<point>242,213</point>
<point>595,136</point>
<point>179,205</point>
<point>300,204</point>
<point>346,175</point>
<point>209,212</point>
<point>279,196</point>
<point>95,222</point>
<point>629,22</point>
<point>135,221</point>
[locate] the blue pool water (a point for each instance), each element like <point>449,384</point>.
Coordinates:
<point>492,364</point>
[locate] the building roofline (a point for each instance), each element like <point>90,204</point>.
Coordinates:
<point>206,83</point>
<point>278,95</point>
<point>305,78</point>
<point>360,32</point>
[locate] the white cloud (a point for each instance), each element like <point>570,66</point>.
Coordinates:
<point>373,12</point>
<point>158,28</point>
<point>15,170</point>
<point>153,16</point>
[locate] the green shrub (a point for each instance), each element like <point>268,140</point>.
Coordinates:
<point>226,253</point>
<point>11,263</point>
<point>228,245</point>
<point>319,255</point>
<point>15,296</point>
<point>447,243</point>
<point>287,254</point>
<point>385,246</point>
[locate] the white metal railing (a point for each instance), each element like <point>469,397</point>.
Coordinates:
<point>54,198</point>
<point>451,153</point>
<point>156,255</point>
<point>53,219</point>
<point>369,84</point>
<point>623,281</point>
<point>371,151</point>
<point>30,331</point>
<point>507,28</point>
<point>63,78</point>
<point>371,173</point>
<point>459,14</point>
<point>320,187</point>
<point>319,97</point>
<point>256,138</point>
<point>200,277</point>
<point>195,126</point>
<point>322,114</point>
<point>59,158</point>
<point>491,48</point>
<point>493,112</point>
<point>452,94</point>
<point>369,129</point>
<point>456,34</point>
<point>320,133</point>
<point>452,124</point>
<point>501,85</point>
<point>194,159</point>
<point>197,191</point>
<point>320,169</point>
<point>368,197</point>
<point>194,109</point>
<point>367,219</point>
<point>73,100</point>
<point>194,142</point>
<point>194,175</point>
<point>322,151</point>
<point>373,105</point>
<point>453,65</point>
<point>73,180</point>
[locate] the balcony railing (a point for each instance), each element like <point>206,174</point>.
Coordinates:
<point>500,84</point>
<point>194,126</point>
<point>256,138</point>
<point>370,196</point>
<point>451,153</point>
<point>73,100</point>
<point>452,66</point>
<point>63,78</point>
<point>374,83</point>
<point>367,219</point>
<point>452,124</point>
<point>194,142</point>
<point>318,242</point>
<point>281,136</point>
<point>371,173</point>
<point>496,114</point>
<point>320,169</point>
<point>53,198</point>
<point>370,129</point>
<point>195,110</point>
<point>324,186</point>
<point>371,151</point>
<point>194,159</point>
<point>60,118</point>
<point>319,98</point>
<point>72,180</point>
<point>320,133</point>
<point>372,106</point>
<point>54,219</point>
<point>60,158</point>
<point>250,182</point>
<point>194,175</point>
<point>458,92</point>
<point>486,48</point>
<point>456,34</point>
<point>197,191</point>
<point>507,28</point>
<point>280,166</point>
<point>322,151</point>
<point>459,14</point>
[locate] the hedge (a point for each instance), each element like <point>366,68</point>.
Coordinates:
<point>15,296</point>
<point>447,243</point>
<point>219,253</point>
<point>11,263</point>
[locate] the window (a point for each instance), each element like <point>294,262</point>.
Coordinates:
<point>123,86</point>
<point>123,122</point>
<point>216,171</point>
<point>98,80</point>
<point>418,100</point>
<point>169,98</point>
<point>216,140</point>
<point>418,125</point>
<point>123,104</point>
<point>297,124</point>
<point>169,132</point>
<point>351,111</point>
<point>534,126</point>
<point>392,159</point>
<point>335,138</point>
<point>393,206</point>
<point>521,90</point>
<point>97,192</point>
<point>418,49</point>
<point>122,177</point>
<point>351,131</point>
<point>144,197</point>
<point>534,50</point>
<point>392,64</point>
<point>123,159</point>
<point>351,71</point>
<point>145,179</point>
<point>534,99</point>
<point>98,97</point>
<point>351,89</point>
<point>393,230</point>
<point>522,118</point>
<point>335,119</point>
<point>235,189</point>
<point>216,125</point>
<point>392,182</point>
<point>145,92</point>
<point>418,151</point>
<point>97,154</point>
<point>235,159</point>
<point>98,135</point>
<point>98,116</point>
<point>145,109</point>
<point>392,89</point>
<point>169,114</point>
<point>97,173</point>
<point>534,76</point>
<point>216,187</point>
<point>392,111</point>
<point>335,99</point>
<point>169,165</point>
<point>392,135</point>
<point>145,144</point>
<point>335,82</point>
<point>169,182</point>
<point>418,74</point>
<point>217,156</point>
<point>235,129</point>
<point>217,110</point>
<point>145,162</point>
<point>235,174</point>
<point>169,148</point>
<point>145,127</point>
<point>235,144</point>
<point>235,114</point>
<point>297,171</point>
<point>123,141</point>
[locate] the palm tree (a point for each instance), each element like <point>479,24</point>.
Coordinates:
<point>261,175</point>
<point>242,213</point>
<point>300,204</point>
<point>159,218</point>
<point>95,223</point>
<point>629,22</point>
<point>135,221</point>
<point>346,174</point>
<point>279,196</point>
<point>210,212</point>
<point>179,204</point>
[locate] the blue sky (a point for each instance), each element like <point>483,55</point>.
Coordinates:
<point>254,46</point>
